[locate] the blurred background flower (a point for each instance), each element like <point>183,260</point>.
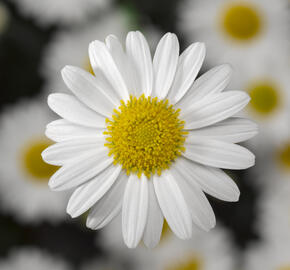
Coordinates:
<point>38,38</point>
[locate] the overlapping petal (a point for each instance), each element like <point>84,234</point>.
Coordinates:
<point>135,209</point>
<point>69,108</point>
<point>173,204</point>
<point>216,108</point>
<point>189,64</point>
<point>219,154</point>
<point>165,64</point>
<point>63,130</point>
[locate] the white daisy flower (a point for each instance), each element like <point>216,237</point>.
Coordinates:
<point>70,47</point>
<point>267,256</point>
<point>64,12</point>
<point>145,138</point>
<point>32,259</point>
<point>23,174</point>
<point>239,31</point>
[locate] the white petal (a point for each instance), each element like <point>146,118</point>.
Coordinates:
<point>64,152</point>
<point>102,59</point>
<point>138,50</point>
<point>135,210</point>
<point>189,64</point>
<point>164,64</point>
<point>123,64</point>
<point>212,82</point>
<point>213,181</point>
<point>216,108</point>
<point>232,130</point>
<point>219,154</point>
<point>69,108</point>
<point>109,206</point>
<point>173,205</point>
<point>199,207</point>
<point>81,170</point>
<point>85,196</point>
<point>154,224</point>
<point>87,89</point>
<point>63,130</point>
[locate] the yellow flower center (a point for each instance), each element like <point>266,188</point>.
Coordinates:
<point>241,21</point>
<point>145,135</point>
<point>284,156</point>
<point>193,263</point>
<point>265,98</point>
<point>32,161</point>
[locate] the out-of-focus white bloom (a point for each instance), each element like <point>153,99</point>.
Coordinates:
<point>273,221</point>
<point>269,89</point>
<point>23,174</point>
<point>206,251</point>
<point>142,136</point>
<point>267,256</point>
<point>239,32</point>
<point>273,164</point>
<point>71,47</point>
<point>65,12</point>
<point>4,17</point>
<point>32,259</point>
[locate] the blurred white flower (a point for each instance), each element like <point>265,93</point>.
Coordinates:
<point>269,89</point>
<point>273,222</point>
<point>4,17</point>
<point>23,174</point>
<point>161,147</point>
<point>32,259</point>
<point>239,32</point>
<point>65,12</point>
<point>267,256</point>
<point>71,47</point>
<point>206,251</point>
<point>273,164</point>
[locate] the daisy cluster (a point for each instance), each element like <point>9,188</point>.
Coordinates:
<point>141,135</point>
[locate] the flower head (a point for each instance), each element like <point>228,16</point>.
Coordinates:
<point>142,137</point>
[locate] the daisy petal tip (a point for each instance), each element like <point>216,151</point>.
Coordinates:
<point>90,224</point>
<point>52,185</point>
<point>131,245</point>
<point>151,244</point>
<point>201,46</point>
<point>71,214</point>
<point>72,211</point>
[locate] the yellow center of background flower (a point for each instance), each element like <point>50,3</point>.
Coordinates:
<point>192,264</point>
<point>284,268</point>
<point>241,21</point>
<point>33,163</point>
<point>265,98</point>
<point>284,156</point>
<point>145,135</point>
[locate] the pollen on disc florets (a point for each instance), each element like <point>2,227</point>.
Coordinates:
<point>145,135</point>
